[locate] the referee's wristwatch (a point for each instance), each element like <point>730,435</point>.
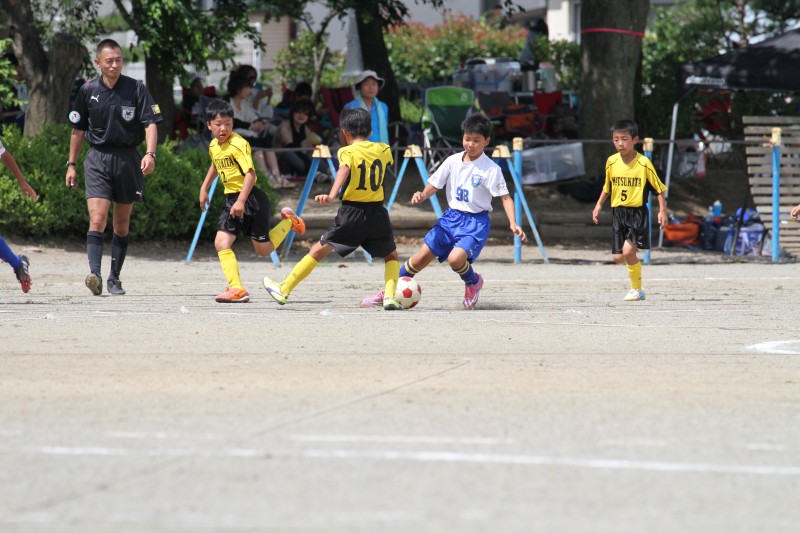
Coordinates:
<point>70,164</point>
<point>151,154</point>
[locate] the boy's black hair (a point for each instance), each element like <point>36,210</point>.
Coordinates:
<point>218,108</point>
<point>626,125</point>
<point>477,123</point>
<point>356,122</point>
<point>107,43</point>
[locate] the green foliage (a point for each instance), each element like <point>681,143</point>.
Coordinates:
<point>77,17</point>
<point>60,211</point>
<point>689,32</point>
<point>113,22</point>
<point>411,111</point>
<point>170,210</point>
<point>178,32</point>
<point>781,14</point>
<point>295,63</point>
<point>565,57</point>
<point>684,33</point>
<point>420,53</point>
<point>8,95</point>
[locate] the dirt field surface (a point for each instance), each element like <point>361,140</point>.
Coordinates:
<point>554,406</point>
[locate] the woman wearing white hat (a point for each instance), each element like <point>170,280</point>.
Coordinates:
<point>367,87</point>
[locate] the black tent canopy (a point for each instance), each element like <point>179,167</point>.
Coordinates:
<point>770,65</point>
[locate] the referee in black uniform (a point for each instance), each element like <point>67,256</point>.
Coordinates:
<point>114,113</point>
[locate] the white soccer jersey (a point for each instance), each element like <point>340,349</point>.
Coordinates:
<point>2,148</point>
<point>471,185</point>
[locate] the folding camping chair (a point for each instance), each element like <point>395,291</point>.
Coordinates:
<point>510,120</point>
<point>445,109</point>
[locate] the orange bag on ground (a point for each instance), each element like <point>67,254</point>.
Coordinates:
<point>683,234</point>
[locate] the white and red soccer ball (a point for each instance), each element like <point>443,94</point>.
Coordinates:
<point>408,292</point>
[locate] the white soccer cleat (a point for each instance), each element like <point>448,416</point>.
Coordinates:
<point>634,295</point>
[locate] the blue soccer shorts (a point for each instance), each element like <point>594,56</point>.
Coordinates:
<point>458,229</point>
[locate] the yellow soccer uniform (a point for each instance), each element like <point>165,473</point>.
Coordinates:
<point>368,163</point>
<point>232,159</point>
<point>628,183</point>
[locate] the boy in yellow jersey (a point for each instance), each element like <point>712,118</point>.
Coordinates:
<point>246,207</point>
<point>629,177</point>
<point>362,220</point>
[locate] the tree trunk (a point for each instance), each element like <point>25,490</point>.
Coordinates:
<point>49,77</point>
<point>160,88</point>
<point>376,57</point>
<point>609,62</point>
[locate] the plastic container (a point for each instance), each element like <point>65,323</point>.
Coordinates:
<point>552,163</point>
<point>490,75</point>
<point>717,209</point>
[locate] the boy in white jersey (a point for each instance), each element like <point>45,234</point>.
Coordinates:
<point>472,180</point>
<point>630,176</point>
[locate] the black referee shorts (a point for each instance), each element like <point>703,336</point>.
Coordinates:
<point>114,174</point>
<point>364,224</point>
<point>630,224</point>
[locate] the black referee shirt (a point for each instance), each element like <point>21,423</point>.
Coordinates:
<point>114,117</point>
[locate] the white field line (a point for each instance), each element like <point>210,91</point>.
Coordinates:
<point>420,456</point>
<point>404,439</point>
<point>790,347</point>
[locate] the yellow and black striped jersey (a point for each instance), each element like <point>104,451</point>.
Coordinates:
<point>627,183</point>
<point>232,159</point>
<point>368,162</point>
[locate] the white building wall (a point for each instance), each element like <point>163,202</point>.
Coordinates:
<point>559,19</point>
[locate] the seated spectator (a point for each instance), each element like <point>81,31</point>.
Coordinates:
<point>190,116</point>
<point>295,133</point>
<point>301,91</point>
<point>261,96</point>
<point>247,124</point>
<point>367,87</point>
<point>191,106</point>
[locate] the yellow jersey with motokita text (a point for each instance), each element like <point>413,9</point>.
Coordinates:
<point>232,159</point>
<point>628,183</point>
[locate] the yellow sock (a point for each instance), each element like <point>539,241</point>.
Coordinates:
<point>390,273</point>
<point>279,232</point>
<point>635,273</point>
<point>230,266</point>
<point>300,271</point>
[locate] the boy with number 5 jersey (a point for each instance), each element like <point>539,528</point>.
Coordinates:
<point>471,180</point>
<point>630,176</point>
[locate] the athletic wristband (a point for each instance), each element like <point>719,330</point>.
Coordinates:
<point>151,154</point>
<point>70,164</point>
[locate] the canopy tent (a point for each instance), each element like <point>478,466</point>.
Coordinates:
<point>770,65</point>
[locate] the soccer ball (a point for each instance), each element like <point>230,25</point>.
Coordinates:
<point>408,292</point>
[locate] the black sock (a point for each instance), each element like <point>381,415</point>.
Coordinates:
<point>94,249</point>
<point>119,247</point>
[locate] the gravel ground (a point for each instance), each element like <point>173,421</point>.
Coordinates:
<point>555,406</point>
